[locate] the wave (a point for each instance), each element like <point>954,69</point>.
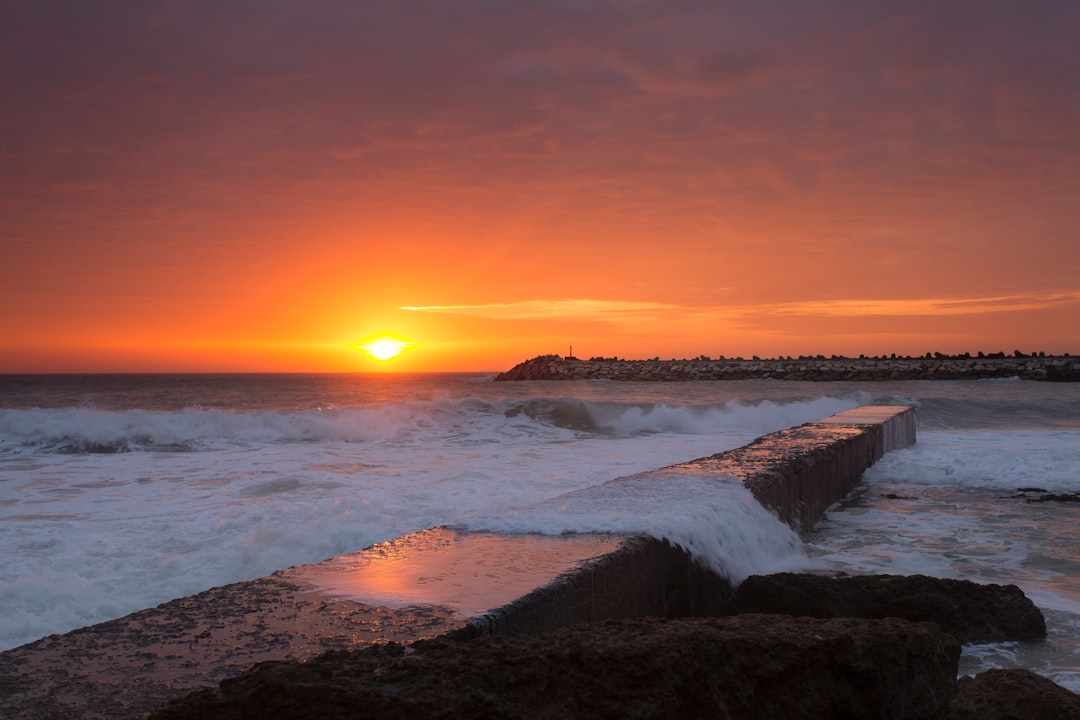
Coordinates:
<point>630,419</point>
<point>102,431</point>
<point>469,420</point>
<point>997,459</point>
<point>478,420</point>
<point>716,519</point>
<point>994,412</point>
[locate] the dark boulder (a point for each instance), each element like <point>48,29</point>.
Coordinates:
<point>1034,494</point>
<point>1013,695</point>
<point>1062,373</point>
<point>969,611</point>
<point>751,666</point>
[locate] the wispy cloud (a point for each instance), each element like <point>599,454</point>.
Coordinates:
<point>921,306</point>
<point>629,311</point>
<point>616,311</point>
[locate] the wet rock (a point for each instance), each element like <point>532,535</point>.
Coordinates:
<point>1035,494</point>
<point>1057,497</point>
<point>1013,695</point>
<point>969,611</point>
<point>751,666</point>
<point>1063,372</point>
<point>1046,497</point>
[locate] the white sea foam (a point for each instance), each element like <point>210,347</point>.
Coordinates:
<point>1000,459</point>
<point>717,520</point>
<point>106,512</point>
<point>942,514</point>
<point>473,419</point>
<point>93,536</point>
<point>1057,657</point>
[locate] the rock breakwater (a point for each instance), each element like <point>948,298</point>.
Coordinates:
<point>1036,366</point>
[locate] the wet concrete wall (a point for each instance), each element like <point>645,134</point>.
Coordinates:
<point>435,582</point>
<point>798,473</point>
<point>642,577</point>
<point>801,471</point>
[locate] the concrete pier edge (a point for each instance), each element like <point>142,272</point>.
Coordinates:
<point>130,666</point>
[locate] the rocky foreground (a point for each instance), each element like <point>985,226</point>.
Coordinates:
<point>1036,366</point>
<point>882,647</point>
<point>751,666</point>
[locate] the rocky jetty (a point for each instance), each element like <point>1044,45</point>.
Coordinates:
<point>1036,366</point>
<point>971,612</point>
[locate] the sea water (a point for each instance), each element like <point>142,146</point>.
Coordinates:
<point>121,492</point>
<point>950,507</point>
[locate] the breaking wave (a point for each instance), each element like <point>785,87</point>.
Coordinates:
<point>716,519</point>
<point>470,420</point>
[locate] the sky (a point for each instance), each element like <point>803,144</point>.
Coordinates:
<point>242,185</point>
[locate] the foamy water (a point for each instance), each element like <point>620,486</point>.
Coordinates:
<point>118,493</point>
<point>108,510</point>
<point>720,523</point>
<point>948,507</point>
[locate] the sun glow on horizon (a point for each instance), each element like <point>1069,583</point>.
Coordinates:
<point>384,347</point>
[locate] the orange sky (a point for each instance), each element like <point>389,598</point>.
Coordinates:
<point>247,186</point>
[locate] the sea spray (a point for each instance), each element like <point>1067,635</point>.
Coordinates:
<point>999,459</point>
<point>446,421</point>
<point>91,536</point>
<point>715,518</point>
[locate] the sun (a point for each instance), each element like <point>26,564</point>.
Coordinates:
<point>384,347</point>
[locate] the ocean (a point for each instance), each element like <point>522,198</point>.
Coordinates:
<point>119,492</point>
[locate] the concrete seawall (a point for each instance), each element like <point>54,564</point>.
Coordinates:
<point>436,582</point>
<point>1030,367</point>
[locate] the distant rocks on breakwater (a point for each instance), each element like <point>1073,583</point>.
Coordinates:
<point>932,366</point>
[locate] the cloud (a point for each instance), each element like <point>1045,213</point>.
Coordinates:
<point>629,311</point>
<point>924,306</point>
<point>787,149</point>
<point>615,311</point>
